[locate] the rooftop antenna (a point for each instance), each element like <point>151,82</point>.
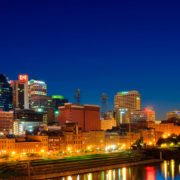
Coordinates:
<point>104,101</point>
<point>77,97</point>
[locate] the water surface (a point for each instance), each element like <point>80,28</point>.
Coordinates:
<point>168,170</point>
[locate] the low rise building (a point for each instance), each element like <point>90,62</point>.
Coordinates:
<point>149,136</point>
<point>31,144</point>
<point>173,114</point>
<point>7,145</point>
<point>6,122</point>
<point>168,128</point>
<point>71,138</point>
<point>93,140</point>
<point>26,120</point>
<point>108,124</point>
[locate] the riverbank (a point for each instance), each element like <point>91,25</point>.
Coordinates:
<point>51,168</point>
<point>90,170</point>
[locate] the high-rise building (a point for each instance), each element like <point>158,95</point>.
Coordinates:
<point>37,89</point>
<point>58,101</point>
<point>20,93</point>
<point>124,103</point>
<point>5,94</point>
<point>41,103</point>
<point>86,117</point>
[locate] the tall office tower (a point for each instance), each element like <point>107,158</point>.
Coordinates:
<point>36,89</point>
<point>39,101</point>
<point>5,94</point>
<point>58,101</point>
<point>21,93</point>
<point>124,103</point>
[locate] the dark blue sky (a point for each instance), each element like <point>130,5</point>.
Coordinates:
<point>97,46</point>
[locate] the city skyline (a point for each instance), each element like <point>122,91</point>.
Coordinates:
<point>90,90</point>
<point>97,47</point>
<point>110,107</point>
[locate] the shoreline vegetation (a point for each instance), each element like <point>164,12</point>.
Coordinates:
<point>51,168</point>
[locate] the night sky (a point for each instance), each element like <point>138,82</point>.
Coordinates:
<point>97,46</point>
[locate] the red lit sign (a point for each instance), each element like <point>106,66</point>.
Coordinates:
<point>11,82</point>
<point>23,78</point>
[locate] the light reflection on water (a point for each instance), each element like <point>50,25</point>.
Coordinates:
<point>168,170</point>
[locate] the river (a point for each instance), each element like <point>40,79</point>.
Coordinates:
<point>168,170</point>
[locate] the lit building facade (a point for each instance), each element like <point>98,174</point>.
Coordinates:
<point>108,124</point>
<point>7,145</point>
<point>93,140</point>
<point>86,117</point>
<point>146,115</point>
<point>150,114</point>
<point>5,94</point>
<point>38,95</point>
<point>37,88</point>
<point>21,93</point>
<point>54,143</point>
<point>71,138</point>
<point>41,103</point>
<point>124,103</point>
<point>30,144</point>
<point>26,120</point>
<point>6,122</point>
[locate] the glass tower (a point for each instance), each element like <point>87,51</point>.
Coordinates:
<point>5,94</point>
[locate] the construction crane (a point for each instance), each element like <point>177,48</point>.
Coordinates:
<point>104,101</point>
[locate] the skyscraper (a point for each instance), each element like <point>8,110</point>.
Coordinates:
<point>37,88</point>
<point>124,103</point>
<point>39,101</point>
<point>58,101</point>
<point>5,94</point>
<point>20,93</point>
<point>38,95</point>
